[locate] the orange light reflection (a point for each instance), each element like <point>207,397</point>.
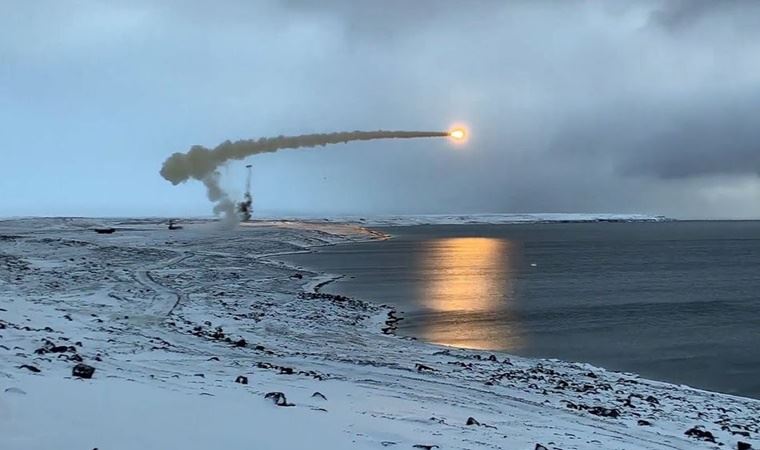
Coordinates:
<point>467,283</point>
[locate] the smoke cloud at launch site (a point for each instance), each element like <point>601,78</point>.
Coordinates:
<point>201,163</point>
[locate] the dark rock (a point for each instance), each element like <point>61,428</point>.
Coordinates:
<point>240,343</point>
<point>738,433</point>
<point>29,368</point>
<point>540,447</point>
<point>644,423</point>
<point>653,400</point>
<point>213,358</point>
<point>278,398</point>
<point>286,371</point>
<point>59,349</point>
<point>241,379</point>
<point>698,433</point>
<point>604,412</point>
<point>421,367</point>
<point>743,446</point>
<point>83,371</point>
<point>472,421</point>
<point>218,333</point>
<point>425,446</point>
<point>319,395</point>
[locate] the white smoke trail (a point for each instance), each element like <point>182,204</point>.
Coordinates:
<point>201,163</point>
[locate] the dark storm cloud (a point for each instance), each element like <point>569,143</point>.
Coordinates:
<point>645,106</point>
<point>681,106</point>
<point>720,138</point>
<point>574,106</point>
<point>680,15</point>
<point>695,138</point>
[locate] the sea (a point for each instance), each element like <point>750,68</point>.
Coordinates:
<point>675,301</point>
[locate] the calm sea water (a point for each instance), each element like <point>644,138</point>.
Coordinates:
<point>677,301</point>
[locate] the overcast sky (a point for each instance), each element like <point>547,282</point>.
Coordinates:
<point>646,107</point>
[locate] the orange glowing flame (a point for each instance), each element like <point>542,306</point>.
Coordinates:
<point>458,134</point>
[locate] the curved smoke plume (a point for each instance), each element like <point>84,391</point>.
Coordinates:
<point>201,163</point>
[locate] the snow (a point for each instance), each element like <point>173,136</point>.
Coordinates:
<point>144,306</point>
<point>462,219</point>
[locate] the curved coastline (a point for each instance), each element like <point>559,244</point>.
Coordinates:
<point>243,313</point>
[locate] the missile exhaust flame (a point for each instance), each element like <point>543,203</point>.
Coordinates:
<point>458,134</point>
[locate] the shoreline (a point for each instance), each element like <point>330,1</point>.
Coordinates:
<point>331,278</point>
<point>240,315</point>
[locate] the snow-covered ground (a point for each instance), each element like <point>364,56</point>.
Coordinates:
<point>170,319</point>
<point>463,219</point>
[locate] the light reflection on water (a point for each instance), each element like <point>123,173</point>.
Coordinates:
<point>467,282</point>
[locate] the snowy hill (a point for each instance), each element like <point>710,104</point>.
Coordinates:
<point>171,319</point>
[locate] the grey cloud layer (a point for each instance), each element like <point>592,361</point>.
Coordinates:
<point>646,106</point>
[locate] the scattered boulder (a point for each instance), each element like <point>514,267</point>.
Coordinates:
<point>29,368</point>
<point>240,343</point>
<point>425,446</point>
<point>422,367</point>
<point>472,421</point>
<point>83,371</point>
<point>241,379</point>
<point>540,447</point>
<point>698,433</point>
<point>743,446</point>
<point>286,371</point>
<point>278,398</point>
<point>319,395</point>
<point>604,412</point>
<point>644,423</point>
